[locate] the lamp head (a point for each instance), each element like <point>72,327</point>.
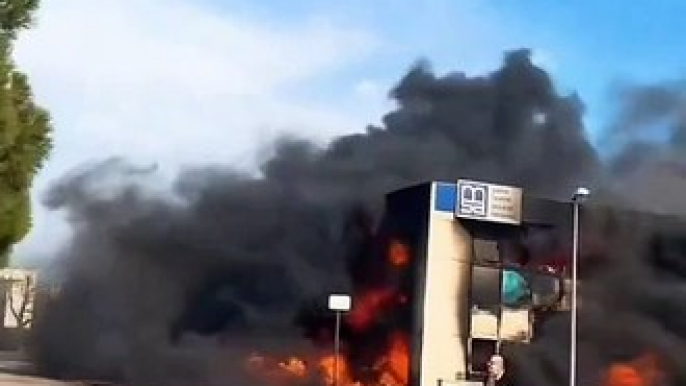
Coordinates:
<point>581,194</point>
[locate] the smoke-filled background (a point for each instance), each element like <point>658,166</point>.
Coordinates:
<point>180,284</point>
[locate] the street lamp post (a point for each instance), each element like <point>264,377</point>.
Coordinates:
<point>577,199</point>
<point>338,303</point>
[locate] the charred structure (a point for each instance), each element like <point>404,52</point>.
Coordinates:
<point>461,313</point>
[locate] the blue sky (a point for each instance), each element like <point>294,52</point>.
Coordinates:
<point>188,82</point>
<point>590,44</point>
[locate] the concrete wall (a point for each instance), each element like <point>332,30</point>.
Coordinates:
<point>448,265</point>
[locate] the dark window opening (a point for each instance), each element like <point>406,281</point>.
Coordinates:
<point>516,267</point>
<point>530,247</point>
<point>486,252</point>
<point>485,291</point>
<point>480,352</point>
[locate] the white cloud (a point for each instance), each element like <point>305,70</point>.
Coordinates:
<point>174,82</point>
<point>370,89</point>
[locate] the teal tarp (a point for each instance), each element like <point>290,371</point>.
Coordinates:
<point>514,288</point>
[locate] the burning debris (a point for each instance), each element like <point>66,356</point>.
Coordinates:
<point>221,281</point>
<point>642,371</point>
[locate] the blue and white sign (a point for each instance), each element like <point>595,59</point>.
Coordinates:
<point>488,202</point>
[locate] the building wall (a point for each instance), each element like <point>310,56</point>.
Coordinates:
<point>18,288</point>
<point>451,321</point>
<point>459,313</point>
<point>446,287</point>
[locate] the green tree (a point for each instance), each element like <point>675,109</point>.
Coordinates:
<point>25,130</point>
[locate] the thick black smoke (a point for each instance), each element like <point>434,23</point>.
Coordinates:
<point>632,302</point>
<point>181,286</point>
<point>651,124</point>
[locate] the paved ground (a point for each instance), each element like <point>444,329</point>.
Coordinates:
<point>16,370</point>
<point>11,379</point>
<point>7,379</point>
<point>14,362</point>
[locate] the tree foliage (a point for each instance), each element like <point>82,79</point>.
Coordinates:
<point>24,130</point>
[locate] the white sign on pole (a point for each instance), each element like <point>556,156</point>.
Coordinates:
<point>340,302</point>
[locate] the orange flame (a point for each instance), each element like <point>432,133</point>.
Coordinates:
<point>328,365</point>
<point>393,367</point>
<point>643,371</point>
<point>397,362</point>
<point>275,372</point>
<point>295,366</point>
<point>398,254</point>
<point>367,307</point>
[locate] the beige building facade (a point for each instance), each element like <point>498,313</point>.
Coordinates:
<point>459,232</point>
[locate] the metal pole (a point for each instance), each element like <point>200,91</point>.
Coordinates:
<point>499,325</point>
<point>336,347</point>
<point>575,273</point>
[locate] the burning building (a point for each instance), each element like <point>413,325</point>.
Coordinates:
<point>454,273</point>
<point>483,263</point>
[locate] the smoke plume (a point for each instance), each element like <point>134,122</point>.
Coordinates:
<point>183,285</point>
<point>631,307</point>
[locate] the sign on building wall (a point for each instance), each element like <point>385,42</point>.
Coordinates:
<point>488,202</point>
